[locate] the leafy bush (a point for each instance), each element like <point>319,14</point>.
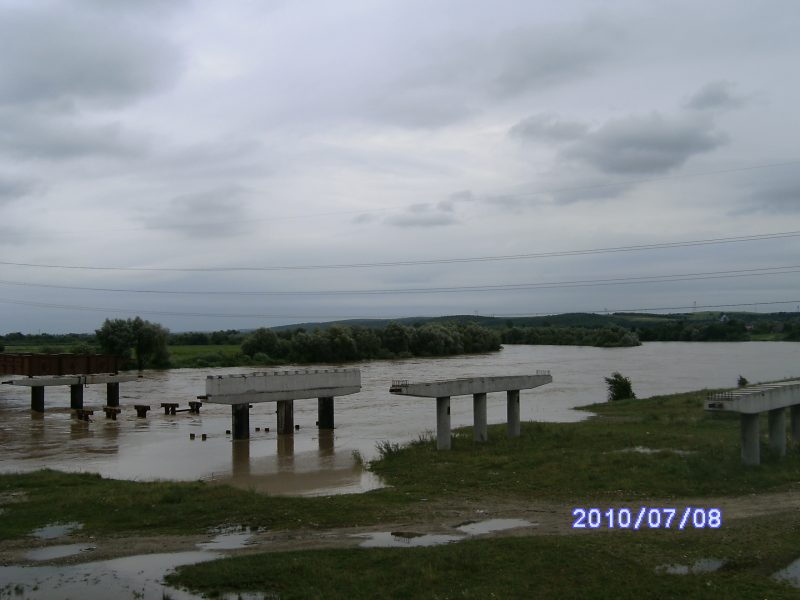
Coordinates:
<point>619,387</point>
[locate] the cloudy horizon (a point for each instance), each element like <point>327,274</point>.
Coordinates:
<point>235,165</point>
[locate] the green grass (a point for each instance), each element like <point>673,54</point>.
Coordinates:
<point>583,460</point>
<point>210,355</point>
<point>573,464</point>
<point>563,462</point>
<point>592,565</point>
<point>111,506</point>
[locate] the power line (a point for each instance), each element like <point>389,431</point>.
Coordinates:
<point>433,261</point>
<point>345,317</point>
<point>656,309</point>
<point>762,271</point>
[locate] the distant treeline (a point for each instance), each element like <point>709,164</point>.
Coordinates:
<point>365,340</point>
<point>341,343</point>
<point>604,337</point>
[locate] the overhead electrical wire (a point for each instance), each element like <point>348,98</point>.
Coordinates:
<point>762,271</point>
<point>345,317</point>
<point>432,261</point>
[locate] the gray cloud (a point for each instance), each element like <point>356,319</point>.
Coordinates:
<point>776,194</point>
<point>423,215</point>
<point>643,145</point>
<point>55,55</point>
<point>547,127</point>
<point>45,136</point>
<point>217,212</point>
<point>463,76</point>
<point>12,188</point>
<point>716,95</point>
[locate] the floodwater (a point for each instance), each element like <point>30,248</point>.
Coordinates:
<point>313,462</point>
<point>410,539</point>
<point>140,576</point>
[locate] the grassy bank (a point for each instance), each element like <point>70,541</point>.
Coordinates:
<point>692,455</point>
<point>595,565</point>
<point>696,455</point>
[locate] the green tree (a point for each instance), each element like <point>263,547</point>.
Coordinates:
<point>116,337</point>
<point>261,340</point>
<point>619,387</point>
<point>147,340</point>
<point>150,343</point>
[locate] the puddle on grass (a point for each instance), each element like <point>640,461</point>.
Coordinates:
<point>493,525</point>
<point>405,539</point>
<point>398,539</point>
<point>790,574</point>
<point>646,450</point>
<point>141,576</point>
<point>228,541</point>
<point>56,552</point>
<point>56,530</point>
<point>704,565</point>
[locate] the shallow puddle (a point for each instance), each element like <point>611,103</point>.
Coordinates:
<point>138,577</point>
<point>56,530</point>
<point>56,552</point>
<point>646,450</point>
<point>492,525</point>
<point>790,574</point>
<point>704,565</point>
<point>398,539</point>
<point>410,539</point>
<point>228,541</point>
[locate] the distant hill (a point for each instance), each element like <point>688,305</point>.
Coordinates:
<point>588,320</point>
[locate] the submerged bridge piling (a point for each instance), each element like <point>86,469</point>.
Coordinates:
<point>282,387</point>
<point>478,387</point>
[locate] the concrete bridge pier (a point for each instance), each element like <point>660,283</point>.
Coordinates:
<point>286,417</point>
<point>443,423</point>
<point>513,413</point>
<point>37,398</point>
<point>112,393</point>
<point>325,412</point>
<point>76,396</point>
<point>240,414</point>
<point>777,431</point>
<point>795,424</point>
<point>749,433</point>
<point>480,433</point>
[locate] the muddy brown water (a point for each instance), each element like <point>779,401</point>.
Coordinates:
<point>312,462</point>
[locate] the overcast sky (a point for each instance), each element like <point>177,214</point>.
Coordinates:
<point>156,137</point>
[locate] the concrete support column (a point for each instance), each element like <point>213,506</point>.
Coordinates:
<point>286,417</point>
<point>777,431</point>
<point>513,413</point>
<point>795,416</point>
<point>37,398</point>
<point>443,423</point>
<point>241,456</point>
<point>240,414</point>
<point>325,412</point>
<point>76,396</point>
<point>480,433</point>
<point>749,434</point>
<point>112,393</point>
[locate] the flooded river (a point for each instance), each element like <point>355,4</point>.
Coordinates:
<point>312,462</point>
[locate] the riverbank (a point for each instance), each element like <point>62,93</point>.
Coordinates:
<point>659,452</point>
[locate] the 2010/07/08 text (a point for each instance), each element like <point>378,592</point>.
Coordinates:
<point>647,518</point>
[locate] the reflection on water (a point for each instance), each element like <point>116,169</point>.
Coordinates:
<point>703,565</point>
<point>790,574</point>
<point>56,530</point>
<point>313,461</point>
